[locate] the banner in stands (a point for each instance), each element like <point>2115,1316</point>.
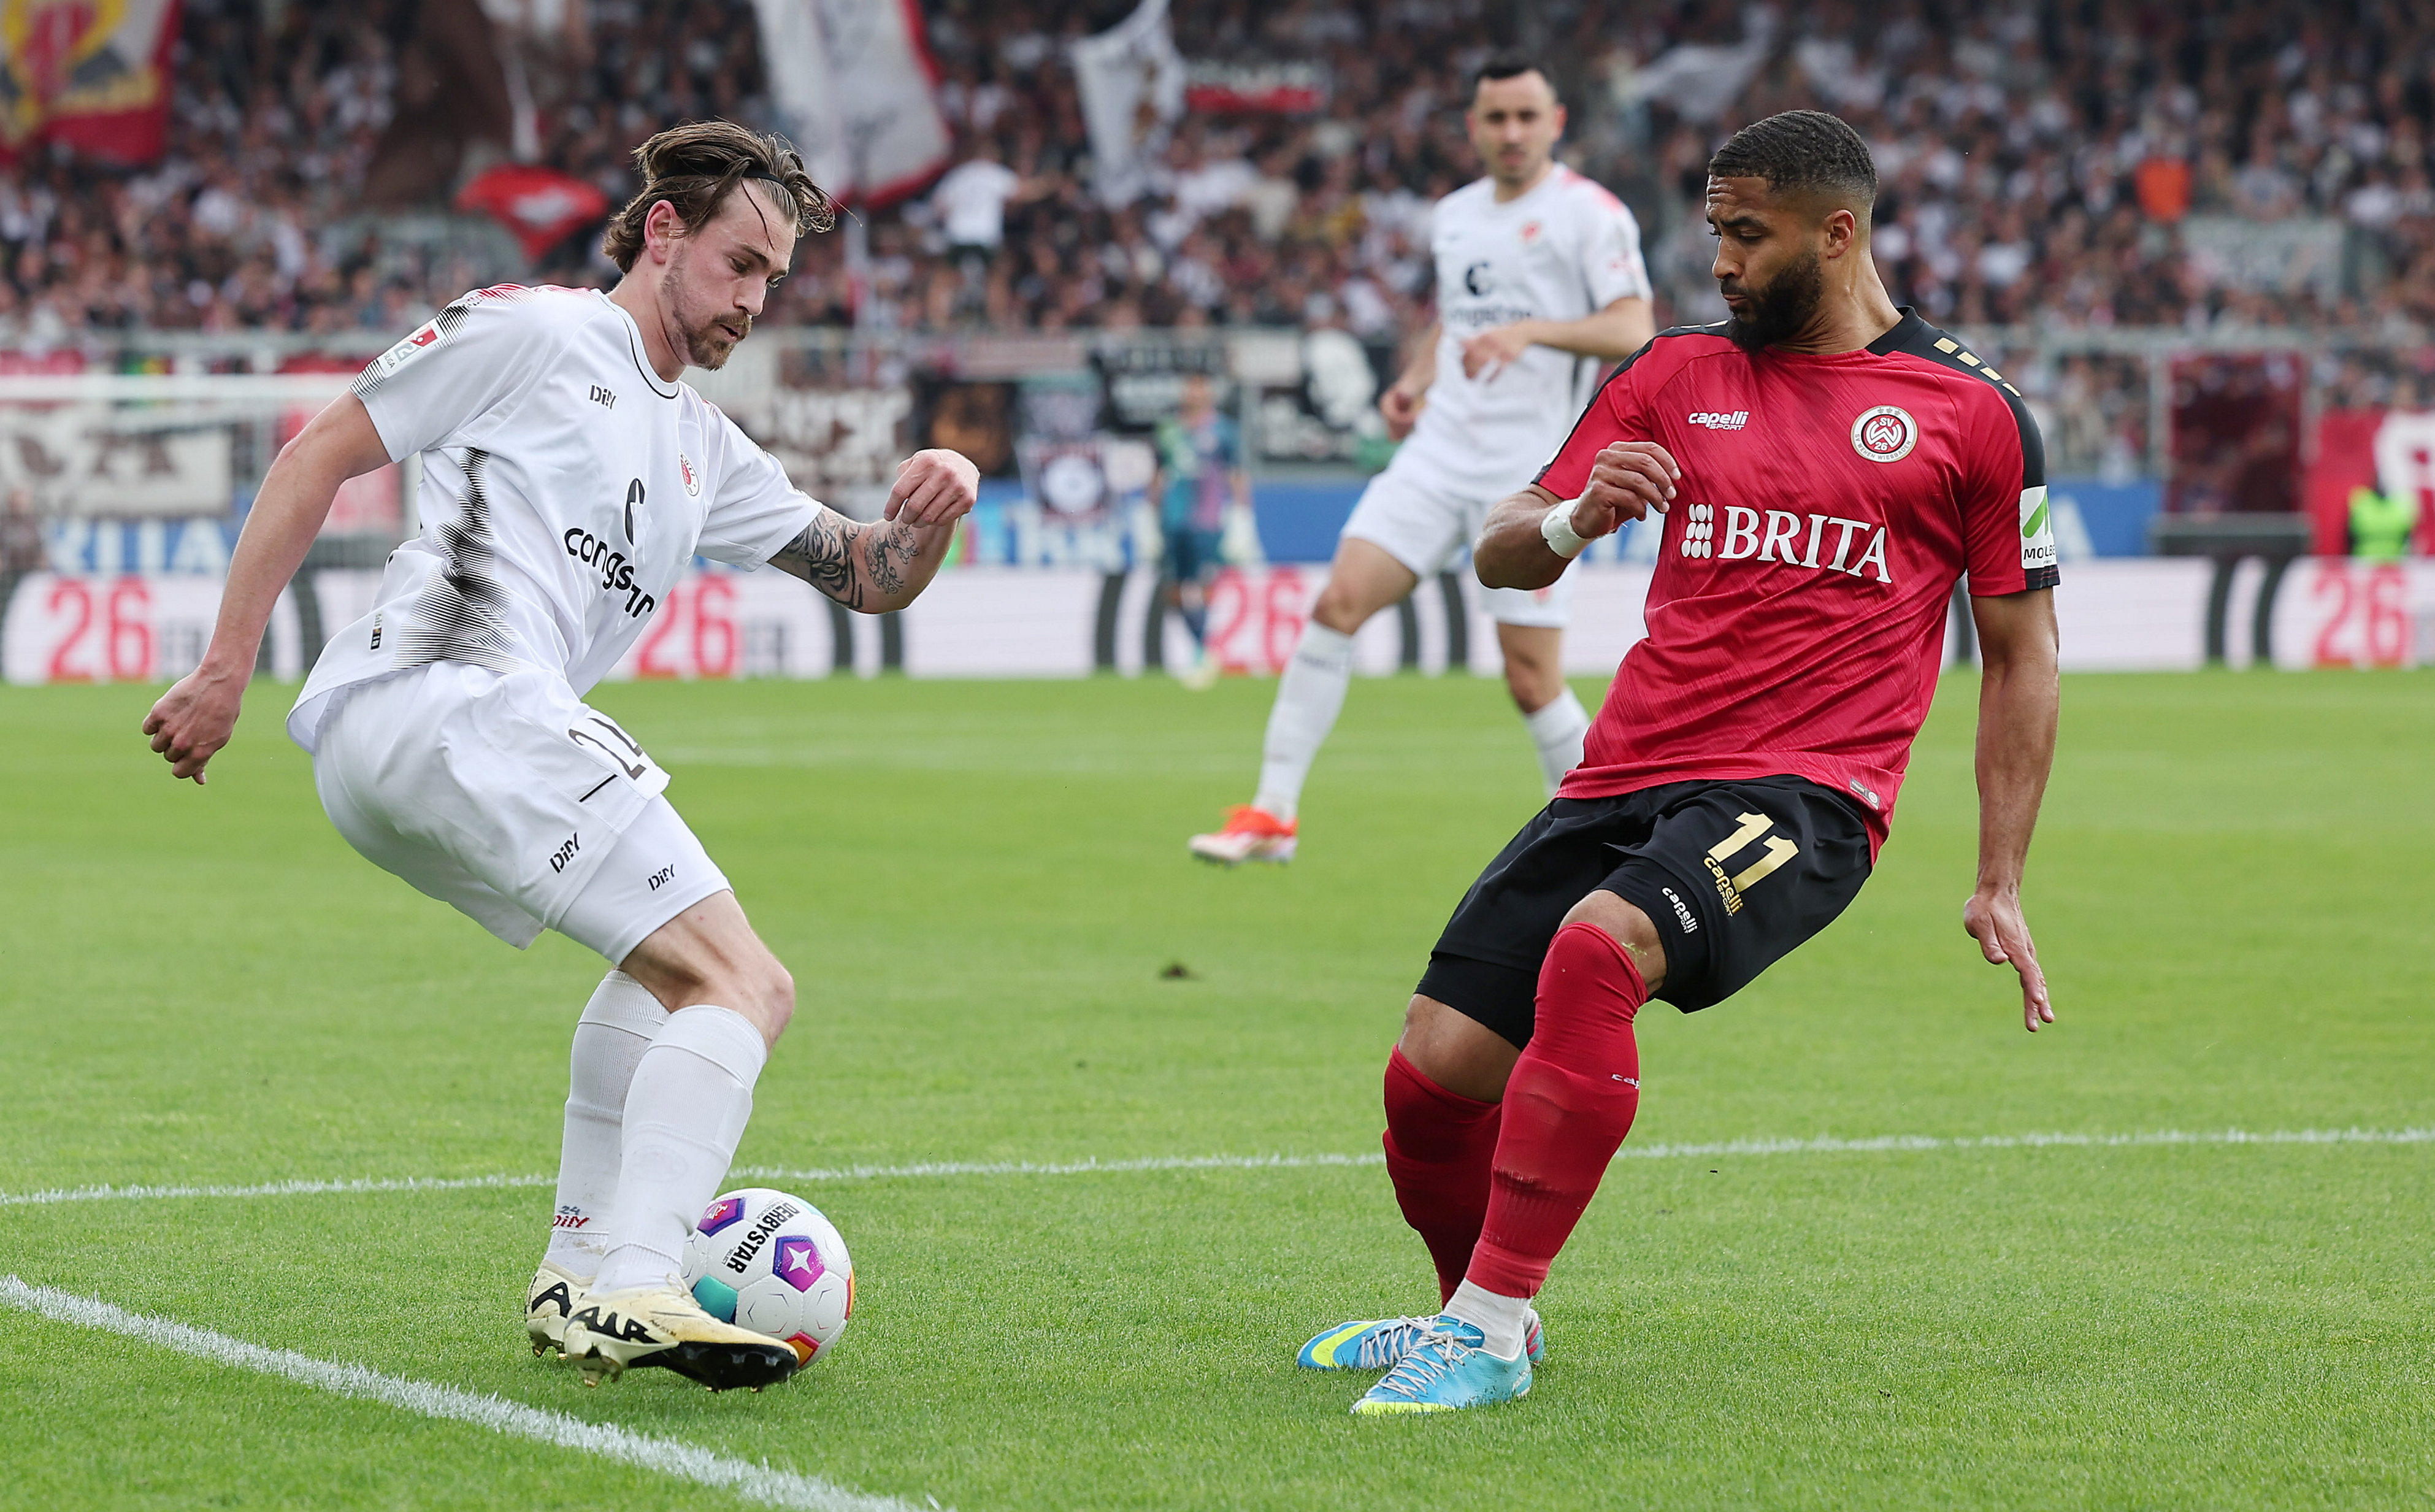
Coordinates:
<point>1212,87</point>
<point>981,621</point>
<point>95,78</point>
<point>74,459</point>
<point>2391,451</point>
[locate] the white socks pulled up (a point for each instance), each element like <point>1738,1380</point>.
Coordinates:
<point>1309,697</point>
<point>691,1096</point>
<point>617,1027</point>
<point>1558,731</point>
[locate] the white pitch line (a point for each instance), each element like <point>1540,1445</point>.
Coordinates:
<point>1822,1144</point>
<point>753,1481</point>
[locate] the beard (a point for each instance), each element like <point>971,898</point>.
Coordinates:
<point>707,339</point>
<point>1778,311</point>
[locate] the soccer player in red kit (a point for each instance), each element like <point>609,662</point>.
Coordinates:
<point>1827,466</point>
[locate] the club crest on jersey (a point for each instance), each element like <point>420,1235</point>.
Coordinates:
<point>1885,434</point>
<point>692,478</point>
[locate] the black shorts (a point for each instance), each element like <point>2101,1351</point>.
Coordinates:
<point>1735,874</point>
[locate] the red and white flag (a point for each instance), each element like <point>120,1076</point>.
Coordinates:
<point>542,206</point>
<point>92,75</point>
<point>859,92</point>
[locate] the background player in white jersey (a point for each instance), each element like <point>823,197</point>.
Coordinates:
<point>567,478</point>
<point>1539,284</point>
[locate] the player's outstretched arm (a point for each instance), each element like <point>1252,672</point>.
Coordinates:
<point>2018,698</point>
<point>1609,335</point>
<point>885,564</point>
<point>196,716</point>
<point>1532,535</point>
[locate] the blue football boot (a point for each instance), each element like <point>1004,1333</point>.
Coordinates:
<point>1447,1369</point>
<point>1376,1344</point>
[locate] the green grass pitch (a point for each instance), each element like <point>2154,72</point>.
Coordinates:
<point>978,888</point>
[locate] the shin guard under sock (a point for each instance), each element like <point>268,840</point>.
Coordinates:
<point>691,1096</point>
<point>1310,695</point>
<point>1439,1144</point>
<point>616,1027</point>
<point>1567,1107</point>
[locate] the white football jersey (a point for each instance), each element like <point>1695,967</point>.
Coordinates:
<point>1565,249</point>
<point>565,485</point>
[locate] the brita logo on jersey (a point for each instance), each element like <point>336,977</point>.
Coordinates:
<point>1821,543</point>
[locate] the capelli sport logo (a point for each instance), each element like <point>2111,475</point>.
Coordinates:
<point>1720,419</point>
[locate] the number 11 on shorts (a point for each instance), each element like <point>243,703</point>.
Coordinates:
<point>1779,850</point>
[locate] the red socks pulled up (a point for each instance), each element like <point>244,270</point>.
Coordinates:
<point>1438,1145</point>
<point>1567,1106</point>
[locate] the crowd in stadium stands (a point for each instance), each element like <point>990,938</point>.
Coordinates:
<point>2054,164</point>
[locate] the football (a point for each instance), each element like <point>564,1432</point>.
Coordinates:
<point>769,1262</point>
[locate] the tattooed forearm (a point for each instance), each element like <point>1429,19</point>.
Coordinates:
<point>861,566</point>
<point>823,557</point>
<point>892,548</point>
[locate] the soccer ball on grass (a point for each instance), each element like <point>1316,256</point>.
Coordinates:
<point>769,1261</point>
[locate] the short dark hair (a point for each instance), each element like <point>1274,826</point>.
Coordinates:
<point>1510,65</point>
<point>697,165</point>
<point>1804,152</point>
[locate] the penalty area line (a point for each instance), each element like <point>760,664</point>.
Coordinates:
<point>753,1481</point>
<point>1822,1144</point>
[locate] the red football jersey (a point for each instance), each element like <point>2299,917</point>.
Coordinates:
<point>1826,507</point>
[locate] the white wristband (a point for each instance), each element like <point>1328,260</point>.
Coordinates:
<point>1557,527</point>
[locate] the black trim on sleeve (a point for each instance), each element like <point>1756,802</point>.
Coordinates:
<point>1620,369</point>
<point>1913,337</point>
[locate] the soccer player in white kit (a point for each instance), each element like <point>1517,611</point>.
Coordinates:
<point>1540,284</point>
<point>568,478</point>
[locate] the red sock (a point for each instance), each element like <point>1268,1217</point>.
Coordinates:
<point>1567,1106</point>
<point>1439,1144</point>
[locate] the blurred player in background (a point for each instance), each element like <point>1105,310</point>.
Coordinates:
<point>568,478</point>
<point>1828,466</point>
<point>1539,283</point>
<point>1200,477</point>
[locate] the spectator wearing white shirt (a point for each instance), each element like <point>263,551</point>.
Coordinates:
<point>970,203</point>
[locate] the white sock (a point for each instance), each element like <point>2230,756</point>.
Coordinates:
<point>687,1108</point>
<point>1559,729</point>
<point>617,1027</point>
<point>1501,1318</point>
<point>1309,696</point>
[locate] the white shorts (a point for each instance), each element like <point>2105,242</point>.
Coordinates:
<point>509,799</point>
<point>1428,526</point>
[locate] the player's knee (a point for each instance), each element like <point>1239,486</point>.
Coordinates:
<point>1535,685</point>
<point>774,994</point>
<point>1341,609</point>
<point>1628,927</point>
<point>1456,1051</point>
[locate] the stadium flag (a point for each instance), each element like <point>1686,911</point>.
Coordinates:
<point>1131,80</point>
<point>1701,81</point>
<point>858,91</point>
<point>93,77</point>
<point>542,206</point>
